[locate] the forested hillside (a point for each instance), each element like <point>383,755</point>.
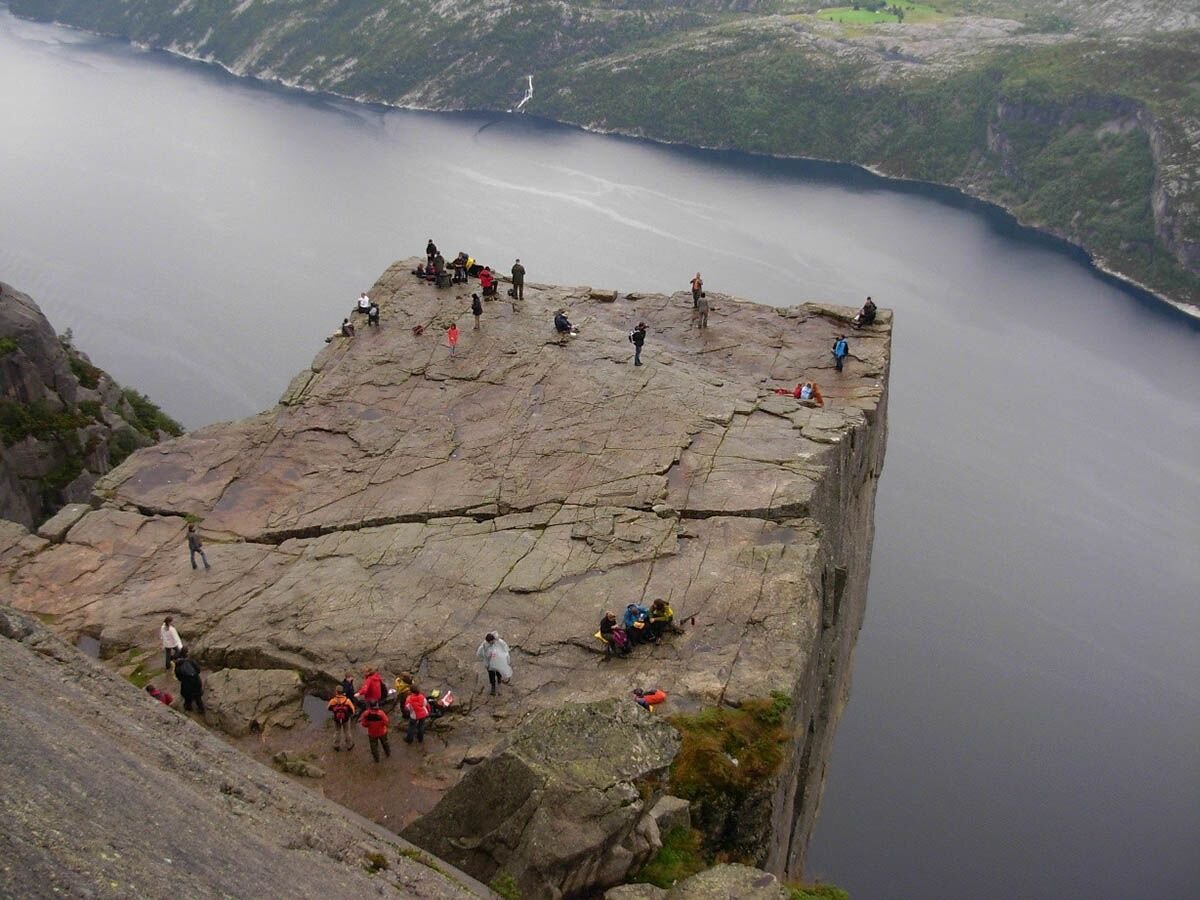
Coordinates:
<point>1082,117</point>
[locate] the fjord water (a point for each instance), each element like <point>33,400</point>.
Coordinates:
<point>1025,717</point>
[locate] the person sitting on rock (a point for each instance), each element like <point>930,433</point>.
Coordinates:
<point>375,720</point>
<point>562,324</point>
<point>342,711</point>
<point>364,304</point>
<point>460,267</point>
<point>419,271</point>
<point>866,315</point>
<point>613,635</point>
<point>373,314</point>
<point>347,328</point>
<point>636,623</point>
<point>161,696</point>
<point>662,617</point>
<point>649,699</point>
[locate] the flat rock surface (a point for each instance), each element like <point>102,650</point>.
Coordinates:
<point>108,793</point>
<point>402,502</point>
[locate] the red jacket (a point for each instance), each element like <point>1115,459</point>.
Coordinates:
<point>486,278</point>
<point>417,706</point>
<point>372,689</point>
<point>376,722</point>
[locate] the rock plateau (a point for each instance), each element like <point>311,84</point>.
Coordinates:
<point>400,501</point>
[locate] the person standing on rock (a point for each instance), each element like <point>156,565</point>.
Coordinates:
<point>452,336</point>
<point>190,685</point>
<point>195,545</point>
<point>494,653</point>
<point>518,280</point>
<point>476,309</point>
<point>637,337</point>
<point>697,289</point>
<point>702,311</point>
<point>417,708</point>
<point>171,643</point>
<point>341,710</point>
<point>371,691</point>
<point>375,720</point>
<point>841,350</point>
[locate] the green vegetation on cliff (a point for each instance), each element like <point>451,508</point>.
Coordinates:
<point>1081,117</point>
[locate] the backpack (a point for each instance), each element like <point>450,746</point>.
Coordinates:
<point>341,712</point>
<point>631,334</point>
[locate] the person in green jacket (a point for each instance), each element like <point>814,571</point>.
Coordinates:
<point>518,280</point>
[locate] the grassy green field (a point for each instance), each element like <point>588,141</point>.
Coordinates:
<point>913,13</point>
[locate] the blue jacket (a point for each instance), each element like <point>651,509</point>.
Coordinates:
<point>638,614</point>
<point>841,348</point>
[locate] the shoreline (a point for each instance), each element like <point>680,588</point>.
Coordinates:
<point>1096,263</point>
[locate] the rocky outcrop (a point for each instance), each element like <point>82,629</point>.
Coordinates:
<point>401,502</point>
<point>721,882</point>
<point>243,700</point>
<point>564,807</point>
<point>108,793</point>
<point>63,422</point>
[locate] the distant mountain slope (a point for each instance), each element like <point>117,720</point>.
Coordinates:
<point>1082,117</point>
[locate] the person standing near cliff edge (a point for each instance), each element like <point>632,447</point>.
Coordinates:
<point>841,350</point>
<point>697,287</point>
<point>637,337</point>
<point>518,280</point>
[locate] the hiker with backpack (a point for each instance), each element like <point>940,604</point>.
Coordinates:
<point>841,350</point>
<point>637,337</point>
<point>341,710</point>
<point>613,635</point>
<point>375,720</point>
<point>190,685</point>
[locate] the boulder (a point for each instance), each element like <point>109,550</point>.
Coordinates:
<point>727,882</point>
<point>297,764</point>
<point>671,812</point>
<point>563,807</point>
<point>635,892</point>
<point>56,527</point>
<point>243,700</point>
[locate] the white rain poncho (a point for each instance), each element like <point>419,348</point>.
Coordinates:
<point>495,657</point>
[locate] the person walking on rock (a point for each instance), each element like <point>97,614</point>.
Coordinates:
<point>840,351</point>
<point>476,309</point>
<point>171,643</point>
<point>375,720</point>
<point>702,310</point>
<point>494,653</point>
<point>417,708</point>
<point>637,337</point>
<point>697,289</point>
<point>452,337</point>
<point>518,280</point>
<point>190,685</point>
<point>341,710</point>
<point>195,545</point>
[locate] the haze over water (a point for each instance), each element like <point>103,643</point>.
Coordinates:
<point>1025,718</point>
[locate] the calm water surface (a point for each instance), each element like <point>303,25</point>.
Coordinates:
<point>1025,718</point>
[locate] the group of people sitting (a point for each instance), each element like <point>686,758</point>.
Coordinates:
<point>805,390</point>
<point>638,626</point>
<point>434,269</point>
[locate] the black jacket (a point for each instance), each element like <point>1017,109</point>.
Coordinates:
<point>638,336</point>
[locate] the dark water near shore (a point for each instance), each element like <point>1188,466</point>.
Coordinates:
<point>1025,719</point>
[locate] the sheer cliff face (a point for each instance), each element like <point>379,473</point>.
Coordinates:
<point>400,502</point>
<point>63,422</point>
